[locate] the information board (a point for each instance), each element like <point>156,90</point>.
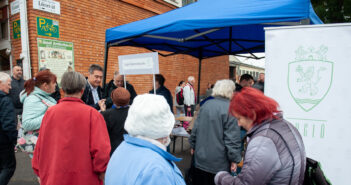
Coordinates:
<point>307,72</point>
<point>58,56</point>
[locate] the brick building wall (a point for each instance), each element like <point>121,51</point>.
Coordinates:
<point>84,23</point>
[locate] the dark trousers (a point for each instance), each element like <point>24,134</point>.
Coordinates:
<point>7,165</point>
<point>187,113</point>
<point>201,177</point>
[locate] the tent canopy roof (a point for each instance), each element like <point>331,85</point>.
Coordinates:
<point>215,28</point>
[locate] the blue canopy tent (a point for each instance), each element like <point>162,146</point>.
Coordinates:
<point>211,28</point>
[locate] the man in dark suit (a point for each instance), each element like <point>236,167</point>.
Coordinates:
<point>118,81</point>
<point>92,95</point>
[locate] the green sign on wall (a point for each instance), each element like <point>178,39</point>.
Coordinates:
<point>48,27</point>
<point>16,29</point>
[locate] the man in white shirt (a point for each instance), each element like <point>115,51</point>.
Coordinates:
<point>92,94</point>
<point>189,97</point>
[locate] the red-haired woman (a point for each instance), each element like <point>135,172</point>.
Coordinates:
<point>36,100</point>
<point>275,153</point>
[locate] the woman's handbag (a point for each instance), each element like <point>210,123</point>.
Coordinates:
<point>28,141</point>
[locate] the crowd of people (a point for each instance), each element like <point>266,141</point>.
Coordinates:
<point>114,136</point>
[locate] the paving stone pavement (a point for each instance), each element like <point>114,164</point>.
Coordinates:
<point>24,174</point>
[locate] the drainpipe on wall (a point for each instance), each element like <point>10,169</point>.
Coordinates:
<point>25,40</point>
<point>9,36</point>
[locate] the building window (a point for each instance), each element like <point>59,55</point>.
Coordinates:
<point>186,2</point>
<point>4,33</point>
<point>4,61</point>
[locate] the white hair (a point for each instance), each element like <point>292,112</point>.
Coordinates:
<point>191,78</point>
<point>4,77</point>
<point>223,88</point>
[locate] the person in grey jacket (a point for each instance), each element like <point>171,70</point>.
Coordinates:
<point>215,138</point>
<point>275,152</point>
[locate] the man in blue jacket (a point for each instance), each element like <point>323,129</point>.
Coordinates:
<point>8,131</point>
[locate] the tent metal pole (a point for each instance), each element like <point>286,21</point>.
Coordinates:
<point>105,65</point>
<point>230,39</point>
<point>199,77</point>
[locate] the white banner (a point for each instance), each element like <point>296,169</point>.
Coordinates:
<point>145,63</point>
<point>307,72</point>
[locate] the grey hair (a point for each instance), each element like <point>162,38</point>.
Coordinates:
<point>4,77</point>
<point>73,82</point>
<point>115,74</point>
<point>224,88</point>
<point>190,78</point>
<point>94,67</point>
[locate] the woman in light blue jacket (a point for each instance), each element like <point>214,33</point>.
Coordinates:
<point>142,158</point>
<point>36,100</point>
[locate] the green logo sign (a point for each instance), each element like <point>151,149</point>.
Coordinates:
<point>48,27</point>
<point>310,77</point>
<point>16,29</point>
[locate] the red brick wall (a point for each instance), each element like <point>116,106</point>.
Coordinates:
<point>84,23</point>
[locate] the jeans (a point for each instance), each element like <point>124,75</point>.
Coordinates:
<point>179,110</point>
<point>187,113</point>
<point>7,165</point>
<point>201,177</point>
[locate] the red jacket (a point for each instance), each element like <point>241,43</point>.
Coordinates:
<point>73,145</point>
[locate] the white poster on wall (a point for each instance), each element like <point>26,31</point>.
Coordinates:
<point>15,7</point>
<point>47,6</point>
<point>307,72</point>
<point>58,56</point>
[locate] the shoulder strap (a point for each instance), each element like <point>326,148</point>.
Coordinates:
<point>285,143</point>
<point>42,99</point>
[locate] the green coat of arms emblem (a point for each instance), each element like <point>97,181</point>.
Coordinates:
<point>310,77</point>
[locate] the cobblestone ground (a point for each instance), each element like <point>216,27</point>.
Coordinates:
<point>24,174</point>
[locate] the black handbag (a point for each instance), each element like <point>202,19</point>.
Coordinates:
<point>314,174</point>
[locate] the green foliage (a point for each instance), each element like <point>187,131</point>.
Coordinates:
<point>333,11</point>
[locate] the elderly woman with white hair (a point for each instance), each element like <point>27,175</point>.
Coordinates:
<point>215,139</point>
<point>142,159</point>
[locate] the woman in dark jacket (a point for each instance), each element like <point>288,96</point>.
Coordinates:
<point>275,153</point>
<point>116,116</point>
